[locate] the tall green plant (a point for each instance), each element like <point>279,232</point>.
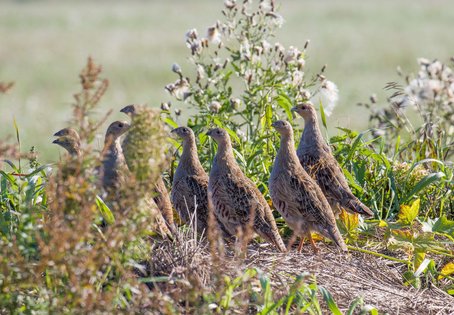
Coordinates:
<point>241,81</point>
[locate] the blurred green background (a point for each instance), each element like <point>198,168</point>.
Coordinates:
<point>44,44</point>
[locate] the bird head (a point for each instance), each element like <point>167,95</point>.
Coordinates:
<point>183,132</point>
<point>282,126</point>
<point>129,110</point>
<point>70,144</point>
<point>305,110</point>
<point>219,135</point>
<point>67,132</point>
<point>117,128</point>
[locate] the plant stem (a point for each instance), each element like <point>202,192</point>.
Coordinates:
<point>406,262</point>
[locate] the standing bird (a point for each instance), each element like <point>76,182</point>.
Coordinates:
<point>161,195</point>
<point>69,139</point>
<point>236,201</point>
<point>297,196</point>
<point>113,165</point>
<point>190,183</point>
<point>114,171</point>
<point>316,158</point>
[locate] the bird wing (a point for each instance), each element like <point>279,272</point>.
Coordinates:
<point>162,199</point>
<point>189,191</point>
<point>329,176</point>
<point>235,200</point>
<point>303,199</point>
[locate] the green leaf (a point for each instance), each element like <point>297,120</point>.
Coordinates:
<point>410,279</point>
<point>16,128</point>
<point>322,113</point>
<point>396,146</point>
<point>269,115</point>
<point>355,144</point>
<point>169,121</point>
<point>354,304</point>
<point>105,211</point>
<point>286,104</point>
<point>330,301</point>
<point>203,138</point>
<point>408,214</point>
<point>350,133</point>
<point>39,169</point>
<point>419,258</point>
<point>424,183</point>
<point>231,133</point>
<point>444,225</point>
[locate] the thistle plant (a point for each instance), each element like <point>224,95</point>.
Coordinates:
<point>242,80</point>
<point>421,109</point>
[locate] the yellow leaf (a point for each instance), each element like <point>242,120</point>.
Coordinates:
<point>317,237</point>
<point>447,270</point>
<point>418,258</point>
<point>350,221</point>
<point>403,235</point>
<point>408,214</point>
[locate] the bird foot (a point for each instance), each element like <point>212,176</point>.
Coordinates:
<point>314,247</point>
<point>300,246</point>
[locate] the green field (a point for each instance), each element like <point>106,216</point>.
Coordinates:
<point>44,44</point>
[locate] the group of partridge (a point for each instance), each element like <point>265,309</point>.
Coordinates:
<point>306,185</point>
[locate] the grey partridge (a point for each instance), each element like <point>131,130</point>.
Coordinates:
<point>114,172</point>
<point>190,184</point>
<point>297,196</point>
<point>236,201</point>
<point>113,165</point>
<point>316,158</point>
<point>68,139</point>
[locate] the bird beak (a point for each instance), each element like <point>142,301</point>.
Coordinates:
<point>58,134</point>
<point>209,132</point>
<point>273,124</point>
<point>293,109</point>
<point>125,109</point>
<point>56,141</point>
<point>173,130</point>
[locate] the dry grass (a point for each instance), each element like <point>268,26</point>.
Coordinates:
<point>377,280</point>
<point>187,263</point>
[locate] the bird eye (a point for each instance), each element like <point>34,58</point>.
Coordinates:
<point>120,125</point>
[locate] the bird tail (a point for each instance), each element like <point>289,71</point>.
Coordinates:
<point>272,235</point>
<point>336,237</point>
<point>356,206</point>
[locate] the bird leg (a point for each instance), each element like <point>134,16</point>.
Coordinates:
<point>300,246</point>
<point>291,242</point>
<point>314,247</point>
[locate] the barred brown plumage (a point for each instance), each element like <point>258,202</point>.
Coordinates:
<point>237,202</point>
<point>113,165</point>
<point>297,196</point>
<point>190,185</point>
<point>316,158</point>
